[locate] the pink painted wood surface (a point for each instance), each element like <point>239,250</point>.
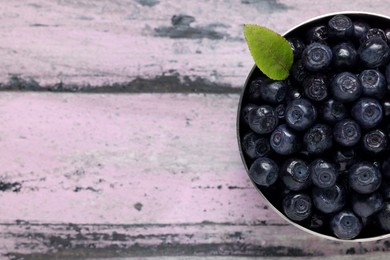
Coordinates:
<point>139,175</point>
<point>108,153</point>
<point>119,171</point>
<point>107,42</point>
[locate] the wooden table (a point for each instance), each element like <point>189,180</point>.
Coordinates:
<point>118,131</point>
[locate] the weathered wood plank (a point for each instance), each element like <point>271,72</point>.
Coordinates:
<point>142,43</point>
<point>126,175</point>
<point>122,159</point>
<point>46,241</point>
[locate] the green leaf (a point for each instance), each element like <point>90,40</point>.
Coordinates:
<point>271,52</point>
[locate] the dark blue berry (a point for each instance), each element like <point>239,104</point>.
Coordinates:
<point>300,114</point>
<point>262,119</point>
<point>340,27</point>
<point>332,111</point>
<point>254,90</point>
<point>367,112</point>
<point>347,132</point>
<point>344,158</point>
<point>264,171</point>
<point>373,82</point>
<point>329,200</point>
<point>377,164</point>
<point>316,56</point>
<point>346,87</point>
<point>323,173</point>
<point>375,141</point>
<point>318,139</point>
<point>284,140</point>
<point>364,177</point>
<point>360,28</point>
<point>273,91</point>
<point>345,56</point>
<point>316,87</point>
<point>385,107</point>
<point>280,111</point>
<point>295,174</point>
<point>367,205</point>
<point>346,225</point>
<point>387,33</point>
<point>298,71</point>
<point>297,47</point>
<point>317,34</point>
<point>317,222</point>
<point>373,33</point>
<point>255,145</point>
<point>385,190</point>
<point>292,94</point>
<point>245,112</point>
<point>374,53</point>
<point>387,76</point>
<point>386,168</point>
<point>368,221</point>
<point>383,217</point>
<point>297,207</point>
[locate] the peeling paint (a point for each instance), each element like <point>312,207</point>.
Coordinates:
<point>140,250</point>
<point>91,189</point>
<point>80,241</point>
<point>238,188</point>
<point>10,186</point>
<point>181,28</point>
<point>267,6</point>
<point>166,83</point>
<point>148,3</point>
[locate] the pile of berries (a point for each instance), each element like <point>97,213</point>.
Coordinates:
<point>317,144</point>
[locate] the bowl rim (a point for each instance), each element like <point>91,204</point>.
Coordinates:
<point>311,20</point>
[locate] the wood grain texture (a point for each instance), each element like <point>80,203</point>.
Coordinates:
<point>110,153</point>
<point>47,241</point>
<point>106,175</point>
<point>75,44</point>
<point>147,175</point>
